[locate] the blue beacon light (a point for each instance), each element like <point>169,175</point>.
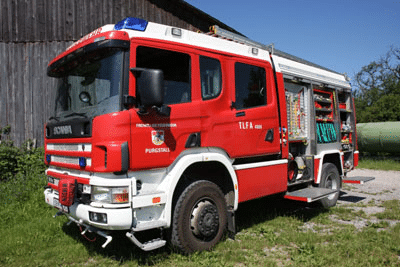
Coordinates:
<point>131,23</point>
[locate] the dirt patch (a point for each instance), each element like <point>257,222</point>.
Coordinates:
<point>386,186</point>
<point>368,198</point>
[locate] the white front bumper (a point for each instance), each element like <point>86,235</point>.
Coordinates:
<point>117,219</point>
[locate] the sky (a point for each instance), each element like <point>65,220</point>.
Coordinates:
<point>342,35</point>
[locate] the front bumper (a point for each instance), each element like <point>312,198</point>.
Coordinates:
<point>117,218</point>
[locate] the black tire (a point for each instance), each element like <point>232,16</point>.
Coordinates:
<point>330,178</point>
<point>199,218</point>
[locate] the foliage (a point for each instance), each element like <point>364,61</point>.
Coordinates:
<point>31,160</point>
<point>8,161</point>
<point>22,161</point>
<point>387,163</point>
<point>377,97</point>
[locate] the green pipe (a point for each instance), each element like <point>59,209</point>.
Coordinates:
<point>379,137</point>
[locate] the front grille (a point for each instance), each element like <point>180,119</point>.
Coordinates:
<point>70,147</point>
<point>69,160</point>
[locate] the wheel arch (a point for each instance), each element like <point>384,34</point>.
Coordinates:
<point>213,171</point>
<point>212,165</point>
<point>332,156</point>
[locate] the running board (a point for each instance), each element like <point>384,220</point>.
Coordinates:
<point>357,180</point>
<point>309,194</point>
<point>150,245</point>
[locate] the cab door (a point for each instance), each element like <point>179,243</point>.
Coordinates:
<point>158,139</point>
<point>256,120</point>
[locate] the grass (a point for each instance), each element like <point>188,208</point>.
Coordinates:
<point>379,163</point>
<point>271,232</point>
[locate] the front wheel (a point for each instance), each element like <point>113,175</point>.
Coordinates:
<point>200,217</point>
<point>330,178</point>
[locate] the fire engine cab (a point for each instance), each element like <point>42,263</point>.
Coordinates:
<point>157,127</point>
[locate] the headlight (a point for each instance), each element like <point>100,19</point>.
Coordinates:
<point>115,195</point>
<point>53,180</point>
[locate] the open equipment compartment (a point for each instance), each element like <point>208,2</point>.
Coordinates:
<point>297,111</point>
<point>347,127</point>
<point>324,116</point>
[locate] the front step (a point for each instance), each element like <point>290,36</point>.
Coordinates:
<point>309,194</point>
<point>357,180</point>
<point>150,245</point>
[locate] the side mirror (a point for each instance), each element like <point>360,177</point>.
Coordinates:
<point>149,87</point>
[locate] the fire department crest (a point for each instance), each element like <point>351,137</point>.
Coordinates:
<point>157,137</point>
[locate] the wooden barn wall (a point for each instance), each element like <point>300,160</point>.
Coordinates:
<point>65,20</point>
<point>25,90</point>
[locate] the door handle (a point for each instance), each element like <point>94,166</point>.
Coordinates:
<point>269,137</point>
<point>241,114</point>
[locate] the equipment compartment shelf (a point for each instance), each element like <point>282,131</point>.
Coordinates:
<point>321,99</point>
<point>323,109</point>
<point>324,116</point>
<point>323,120</point>
<point>323,106</point>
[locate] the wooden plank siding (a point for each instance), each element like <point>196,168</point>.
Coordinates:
<point>25,90</point>
<point>66,20</point>
<point>32,32</point>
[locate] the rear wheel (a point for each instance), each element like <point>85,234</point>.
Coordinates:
<point>200,217</point>
<point>330,178</point>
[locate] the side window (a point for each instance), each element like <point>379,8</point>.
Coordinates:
<point>211,79</point>
<point>250,86</point>
<point>176,68</point>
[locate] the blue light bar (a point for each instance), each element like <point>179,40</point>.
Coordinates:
<point>82,162</point>
<point>131,23</point>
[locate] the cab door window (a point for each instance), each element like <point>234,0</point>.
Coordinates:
<point>250,86</point>
<point>211,80</point>
<point>176,68</point>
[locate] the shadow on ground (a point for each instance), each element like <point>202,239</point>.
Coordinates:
<point>248,214</point>
<point>350,198</point>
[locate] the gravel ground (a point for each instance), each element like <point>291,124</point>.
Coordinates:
<point>386,186</point>
<point>370,195</point>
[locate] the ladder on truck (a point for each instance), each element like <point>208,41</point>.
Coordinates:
<point>225,34</point>
<point>308,194</point>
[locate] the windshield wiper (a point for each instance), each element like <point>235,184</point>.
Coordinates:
<point>54,118</point>
<point>76,114</point>
<point>104,99</point>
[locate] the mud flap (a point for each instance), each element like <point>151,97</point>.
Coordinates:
<point>231,223</point>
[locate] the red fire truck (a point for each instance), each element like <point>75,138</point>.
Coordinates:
<point>157,127</point>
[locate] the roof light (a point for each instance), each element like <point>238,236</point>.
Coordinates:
<point>176,32</point>
<point>131,23</point>
<point>99,39</point>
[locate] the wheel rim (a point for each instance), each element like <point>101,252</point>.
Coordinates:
<point>331,183</point>
<point>204,221</point>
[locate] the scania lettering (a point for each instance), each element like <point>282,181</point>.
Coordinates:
<point>161,128</point>
<point>63,130</point>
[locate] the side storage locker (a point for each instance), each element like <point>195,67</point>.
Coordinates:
<point>347,128</point>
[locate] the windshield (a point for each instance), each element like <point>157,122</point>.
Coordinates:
<point>90,85</point>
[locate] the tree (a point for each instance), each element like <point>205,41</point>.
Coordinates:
<point>377,95</point>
